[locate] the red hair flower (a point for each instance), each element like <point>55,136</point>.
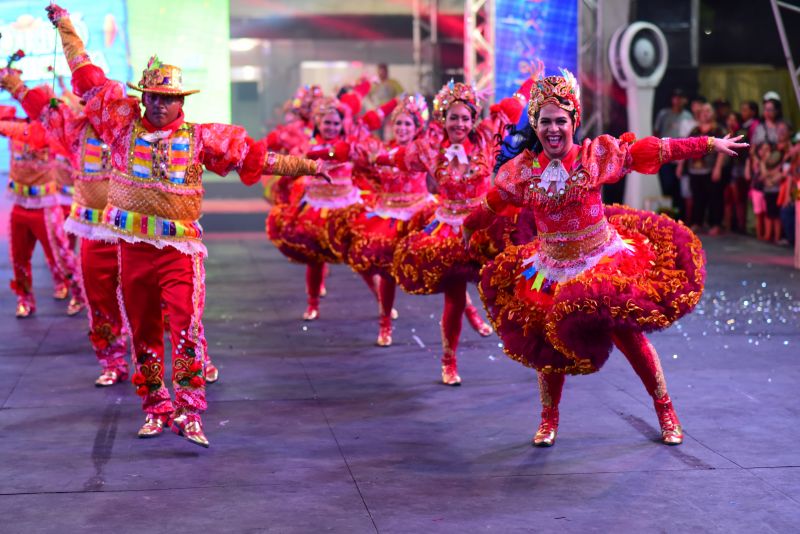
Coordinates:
<point>628,137</point>
<point>196,367</point>
<point>138,379</point>
<point>142,391</point>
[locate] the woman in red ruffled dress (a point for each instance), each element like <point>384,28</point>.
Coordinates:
<point>399,196</point>
<point>595,276</point>
<point>433,259</point>
<point>313,227</point>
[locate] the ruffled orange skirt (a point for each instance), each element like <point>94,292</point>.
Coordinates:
<point>566,326</point>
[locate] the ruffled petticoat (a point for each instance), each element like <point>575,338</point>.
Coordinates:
<point>560,317</point>
<point>314,232</point>
<point>377,231</point>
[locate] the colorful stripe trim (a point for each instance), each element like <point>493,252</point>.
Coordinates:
<point>85,215</point>
<point>149,226</point>
<point>32,191</point>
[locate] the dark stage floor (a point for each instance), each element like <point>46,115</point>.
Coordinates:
<point>315,429</point>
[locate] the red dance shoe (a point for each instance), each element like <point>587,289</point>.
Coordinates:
<point>548,428</point>
<point>190,426</point>
<point>476,321</point>
<point>671,430</point>
<point>212,373</point>
<point>61,291</point>
<point>450,371</point>
<point>109,377</point>
<point>26,306</point>
<point>385,332</point>
<point>153,426</point>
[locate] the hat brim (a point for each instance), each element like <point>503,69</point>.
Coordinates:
<point>171,92</point>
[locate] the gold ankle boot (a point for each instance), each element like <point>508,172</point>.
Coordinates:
<point>190,426</point>
<point>153,425</point>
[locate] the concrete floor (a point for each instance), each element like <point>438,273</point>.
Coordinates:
<point>314,429</point>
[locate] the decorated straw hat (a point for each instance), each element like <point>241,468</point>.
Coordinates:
<point>162,79</point>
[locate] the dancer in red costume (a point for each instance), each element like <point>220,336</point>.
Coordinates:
<point>66,124</point>
<point>36,215</point>
<point>97,257</point>
<point>433,260</point>
<point>399,196</point>
<point>594,276</point>
<point>314,227</point>
<point>293,137</point>
<point>153,209</point>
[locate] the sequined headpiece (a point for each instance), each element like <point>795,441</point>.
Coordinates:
<point>451,93</point>
<point>328,104</point>
<point>413,105</point>
<point>162,79</point>
<point>563,91</point>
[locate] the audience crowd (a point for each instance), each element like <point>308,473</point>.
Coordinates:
<point>755,193</point>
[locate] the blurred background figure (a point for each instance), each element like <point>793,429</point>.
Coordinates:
<point>674,121</point>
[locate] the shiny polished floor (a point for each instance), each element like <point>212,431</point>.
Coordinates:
<point>315,429</point>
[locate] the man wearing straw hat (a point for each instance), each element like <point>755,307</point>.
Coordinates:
<point>153,210</point>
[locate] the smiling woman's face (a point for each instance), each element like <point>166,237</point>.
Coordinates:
<point>458,123</point>
<point>555,130</point>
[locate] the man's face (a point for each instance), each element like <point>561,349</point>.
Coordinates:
<point>160,109</point>
<point>383,73</point>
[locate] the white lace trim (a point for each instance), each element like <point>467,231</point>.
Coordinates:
<point>189,247</point>
<point>353,197</point>
<point>33,203</point>
<point>560,271</point>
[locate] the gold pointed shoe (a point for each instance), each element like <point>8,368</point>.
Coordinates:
<point>109,377</point>
<point>190,426</point>
<point>548,428</point>
<point>671,429</point>
<point>153,425</point>
<point>311,313</point>
<point>25,308</point>
<point>60,292</point>
<point>212,373</point>
<point>75,306</point>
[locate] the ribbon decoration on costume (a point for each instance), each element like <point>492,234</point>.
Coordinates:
<point>456,151</point>
<point>154,137</point>
<point>555,173</point>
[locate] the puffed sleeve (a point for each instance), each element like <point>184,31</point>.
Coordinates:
<point>30,133</point>
<point>607,159</point>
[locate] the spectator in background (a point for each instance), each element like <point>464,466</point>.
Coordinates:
<point>749,112</point>
<point>722,108</point>
<point>674,122</point>
<point>696,106</point>
<point>788,203</point>
<point>753,175</point>
<point>705,177</point>
<point>735,212</point>
<point>772,178</point>
<point>386,88</point>
<point>767,129</point>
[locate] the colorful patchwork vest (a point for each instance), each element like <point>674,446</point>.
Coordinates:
<point>158,198</point>
<point>91,186</point>
<point>30,182</point>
